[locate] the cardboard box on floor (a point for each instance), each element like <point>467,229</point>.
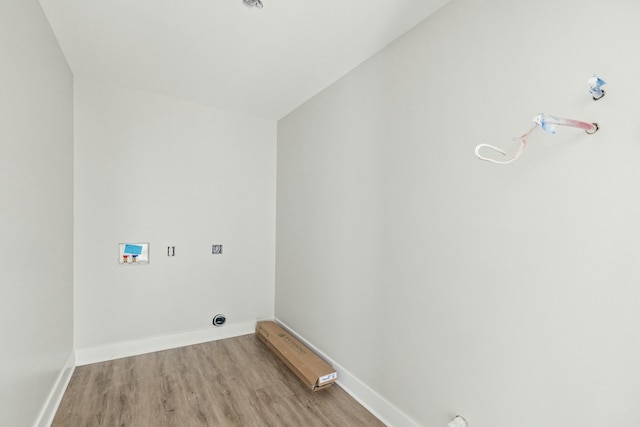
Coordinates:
<point>311,369</point>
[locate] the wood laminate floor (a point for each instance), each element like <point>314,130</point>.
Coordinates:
<point>231,382</point>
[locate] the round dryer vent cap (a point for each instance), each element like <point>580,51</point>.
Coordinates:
<point>219,320</point>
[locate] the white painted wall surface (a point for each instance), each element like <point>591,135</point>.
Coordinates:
<point>506,294</point>
<point>154,169</point>
<point>36,217</point>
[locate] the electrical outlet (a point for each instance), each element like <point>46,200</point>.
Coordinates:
<point>171,251</point>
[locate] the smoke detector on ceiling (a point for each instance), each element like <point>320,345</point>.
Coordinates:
<point>253,3</point>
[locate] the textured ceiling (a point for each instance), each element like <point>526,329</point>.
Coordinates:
<point>264,63</point>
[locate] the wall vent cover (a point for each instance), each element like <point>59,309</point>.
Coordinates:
<point>219,320</point>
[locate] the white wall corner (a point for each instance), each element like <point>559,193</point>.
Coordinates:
<point>380,407</point>
<point>50,407</point>
<point>122,349</point>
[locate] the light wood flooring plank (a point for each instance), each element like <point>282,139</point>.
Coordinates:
<point>233,382</point>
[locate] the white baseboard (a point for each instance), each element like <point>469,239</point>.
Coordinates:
<point>45,418</point>
<point>384,410</point>
<point>118,350</point>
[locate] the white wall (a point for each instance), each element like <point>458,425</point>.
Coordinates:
<point>154,169</point>
<point>508,294</point>
<point>36,217</point>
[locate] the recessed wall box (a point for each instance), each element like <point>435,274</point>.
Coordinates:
<point>133,253</point>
